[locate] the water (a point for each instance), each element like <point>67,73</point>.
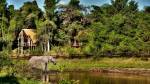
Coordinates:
<point>97,78</point>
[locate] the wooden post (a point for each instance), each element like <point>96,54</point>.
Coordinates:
<point>18,47</point>
<point>48,46</point>
<point>22,43</point>
<point>42,47</point>
<point>29,46</point>
<point>45,48</point>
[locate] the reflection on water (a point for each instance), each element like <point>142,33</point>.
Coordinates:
<point>95,78</point>
<point>103,78</point>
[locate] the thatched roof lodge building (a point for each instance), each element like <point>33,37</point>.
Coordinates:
<point>25,39</point>
<point>28,37</point>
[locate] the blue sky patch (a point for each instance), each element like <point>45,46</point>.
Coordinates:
<point>19,3</point>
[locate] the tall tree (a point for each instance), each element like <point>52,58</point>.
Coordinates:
<point>74,3</point>
<point>30,7</point>
<point>4,18</point>
<point>11,11</point>
<point>50,7</point>
<point>147,9</point>
<point>119,5</point>
<point>124,6</point>
<point>133,6</point>
<point>46,34</point>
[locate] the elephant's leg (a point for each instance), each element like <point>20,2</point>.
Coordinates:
<point>43,67</point>
<point>46,67</point>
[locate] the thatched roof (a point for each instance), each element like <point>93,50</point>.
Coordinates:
<point>31,33</point>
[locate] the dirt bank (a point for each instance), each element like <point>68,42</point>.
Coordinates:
<point>135,71</point>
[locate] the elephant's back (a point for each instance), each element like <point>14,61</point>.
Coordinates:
<point>38,59</point>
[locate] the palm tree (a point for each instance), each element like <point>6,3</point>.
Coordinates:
<point>46,34</point>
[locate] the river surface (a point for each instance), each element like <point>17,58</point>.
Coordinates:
<point>96,78</point>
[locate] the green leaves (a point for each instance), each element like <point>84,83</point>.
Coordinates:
<point>50,7</point>
<point>119,5</point>
<point>74,3</point>
<point>120,33</point>
<point>110,28</point>
<point>147,9</point>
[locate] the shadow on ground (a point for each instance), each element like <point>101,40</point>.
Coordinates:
<point>8,80</point>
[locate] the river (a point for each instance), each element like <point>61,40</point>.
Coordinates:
<point>96,78</point>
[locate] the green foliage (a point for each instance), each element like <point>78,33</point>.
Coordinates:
<point>118,31</point>
<point>37,51</point>
<point>124,6</point>
<point>2,5</point>
<point>73,51</point>
<point>147,9</point>
<point>61,68</point>
<point>74,3</point>
<point>119,5</point>
<point>114,28</point>
<point>30,7</point>
<point>47,33</point>
<point>4,59</point>
<point>62,37</point>
<point>28,81</point>
<point>50,6</point>
<point>12,11</point>
<point>133,6</point>
<point>68,82</point>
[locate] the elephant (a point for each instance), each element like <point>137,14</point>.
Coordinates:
<point>36,61</point>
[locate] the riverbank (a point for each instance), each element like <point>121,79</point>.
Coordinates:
<point>133,66</point>
<point>108,65</point>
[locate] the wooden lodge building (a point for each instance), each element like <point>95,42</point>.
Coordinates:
<point>25,39</point>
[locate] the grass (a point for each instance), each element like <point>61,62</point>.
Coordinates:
<point>26,81</point>
<point>86,64</point>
